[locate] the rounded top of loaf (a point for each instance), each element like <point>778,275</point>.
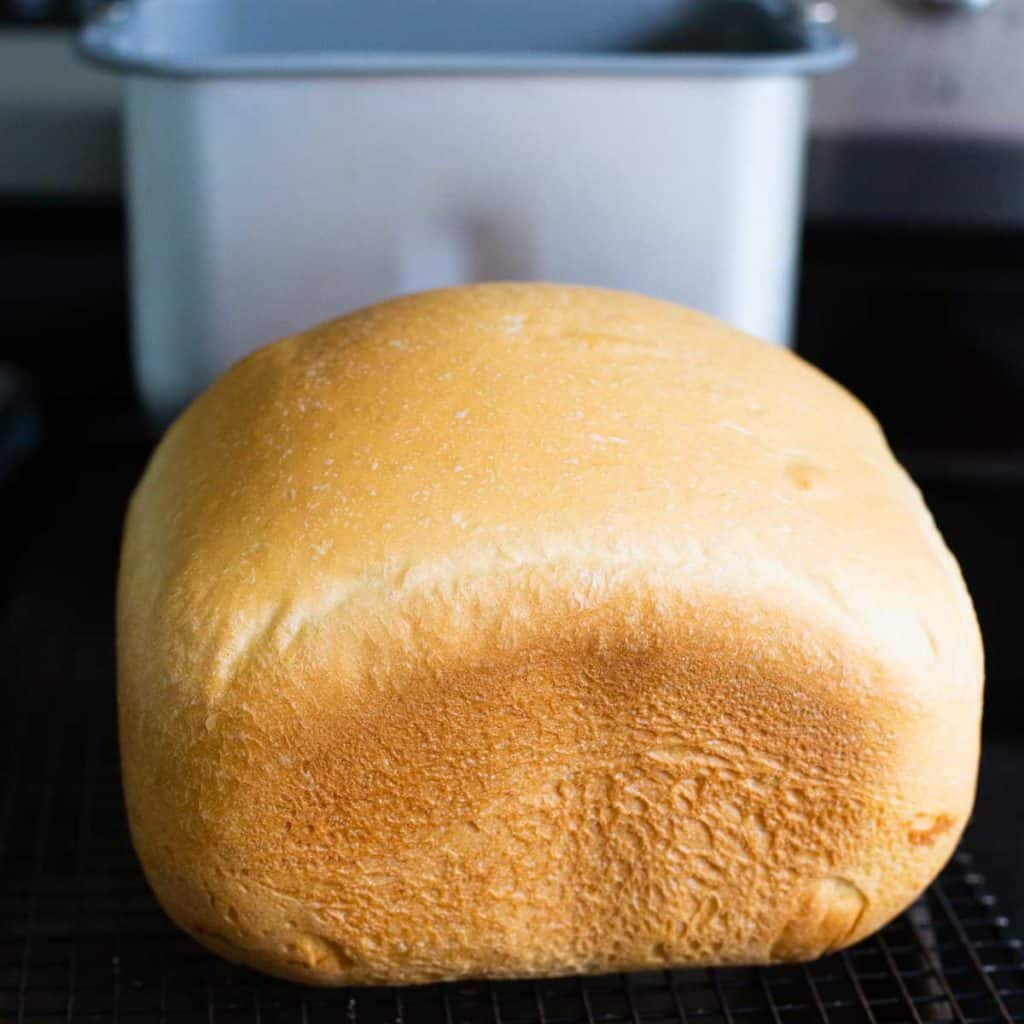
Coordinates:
<point>435,443</point>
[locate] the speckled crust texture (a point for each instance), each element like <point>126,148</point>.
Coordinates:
<point>522,630</point>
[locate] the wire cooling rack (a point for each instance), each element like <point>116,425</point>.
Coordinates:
<point>81,938</point>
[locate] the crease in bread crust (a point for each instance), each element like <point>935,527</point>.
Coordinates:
<point>521,630</point>
<point>676,566</point>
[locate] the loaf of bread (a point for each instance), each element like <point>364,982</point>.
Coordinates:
<point>524,630</point>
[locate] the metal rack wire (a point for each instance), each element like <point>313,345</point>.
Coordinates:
<point>81,938</point>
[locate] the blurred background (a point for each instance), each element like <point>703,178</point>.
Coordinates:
<point>189,179</point>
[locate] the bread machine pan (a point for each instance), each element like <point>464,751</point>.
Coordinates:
<point>289,162</point>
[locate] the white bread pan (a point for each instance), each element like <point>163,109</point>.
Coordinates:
<point>289,161</point>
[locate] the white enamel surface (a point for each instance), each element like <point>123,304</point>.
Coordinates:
<point>260,206</point>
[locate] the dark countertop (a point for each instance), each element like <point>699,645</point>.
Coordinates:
<point>996,835</point>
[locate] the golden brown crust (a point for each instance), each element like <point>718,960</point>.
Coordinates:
<point>519,630</point>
